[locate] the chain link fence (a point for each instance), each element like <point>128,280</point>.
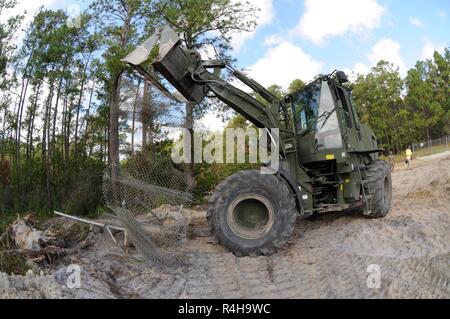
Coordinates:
<point>432,146</point>
<point>146,190</point>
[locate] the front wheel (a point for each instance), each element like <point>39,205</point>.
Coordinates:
<point>252,214</point>
<point>379,187</point>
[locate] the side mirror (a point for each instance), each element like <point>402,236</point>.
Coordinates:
<point>287,99</point>
<point>341,77</point>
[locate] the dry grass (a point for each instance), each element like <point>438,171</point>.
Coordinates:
<point>400,158</point>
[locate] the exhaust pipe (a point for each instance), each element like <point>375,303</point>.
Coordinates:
<point>177,64</point>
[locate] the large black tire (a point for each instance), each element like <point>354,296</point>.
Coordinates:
<point>379,188</point>
<point>236,199</point>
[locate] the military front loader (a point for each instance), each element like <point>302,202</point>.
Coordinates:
<point>329,160</point>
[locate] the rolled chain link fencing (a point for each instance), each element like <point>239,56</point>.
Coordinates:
<point>146,190</point>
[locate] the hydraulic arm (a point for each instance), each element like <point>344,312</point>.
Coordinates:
<point>194,78</point>
<point>191,76</point>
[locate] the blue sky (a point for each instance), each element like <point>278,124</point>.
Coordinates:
<point>352,35</point>
<point>351,48</point>
<point>300,38</point>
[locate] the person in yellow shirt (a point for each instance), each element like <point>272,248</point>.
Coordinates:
<point>409,155</point>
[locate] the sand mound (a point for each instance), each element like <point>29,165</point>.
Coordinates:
<point>442,179</point>
<point>437,189</point>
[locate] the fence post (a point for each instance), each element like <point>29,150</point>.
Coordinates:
<point>446,140</point>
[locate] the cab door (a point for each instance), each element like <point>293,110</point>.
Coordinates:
<point>350,129</point>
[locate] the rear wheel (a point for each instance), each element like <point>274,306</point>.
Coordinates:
<point>379,187</point>
<point>252,214</point>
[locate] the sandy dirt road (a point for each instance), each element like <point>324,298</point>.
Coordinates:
<point>328,256</point>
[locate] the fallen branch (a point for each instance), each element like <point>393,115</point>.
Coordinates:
<point>49,250</point>
<point>90,222</point>
<point>102,225</point>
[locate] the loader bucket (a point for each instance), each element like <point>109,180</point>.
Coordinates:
<point>173,62</point>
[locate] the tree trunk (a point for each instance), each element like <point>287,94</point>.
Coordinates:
<point>19,121</point>
<point>46,142</point>
<point>88,114</point>
<point>105,144</point>
<point>113,153</point>
<point>114,150</point>
<point>80,99</point>
<point>63,125</point>
<point>67,120</point>
<point>190,167</point>
<point>68,132</point>
<point>145,114</point>
<point>133,125</point>
<point>55,115</point>
<point>33,111</point>
<point>114,122</point>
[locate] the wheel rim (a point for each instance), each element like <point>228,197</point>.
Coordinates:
<point>250,216</point>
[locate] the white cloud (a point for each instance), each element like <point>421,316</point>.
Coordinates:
<point>442,14</point>
<point>212,122</point>
<point>208,52</point>
<point>429,48</point>
<point>264,17</point>
<point>416,22</point>
<point>358,68</point>
<point>273,39</point>
<point>283,64</point>
<point>361,68</point>
<point>31,7</point>
<point>326,18</point>
<point>388,50</point>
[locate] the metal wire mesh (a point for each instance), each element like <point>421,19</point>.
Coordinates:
<point>432,146</point>
<point>146,190</point>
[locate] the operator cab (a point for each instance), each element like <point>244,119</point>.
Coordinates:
<point>325,119</point>
<point>330,138</point>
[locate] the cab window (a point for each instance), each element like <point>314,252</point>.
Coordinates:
<point>346,107</point>
<point>305,105</point>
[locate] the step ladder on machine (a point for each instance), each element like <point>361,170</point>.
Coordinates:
<point>366,197</point>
